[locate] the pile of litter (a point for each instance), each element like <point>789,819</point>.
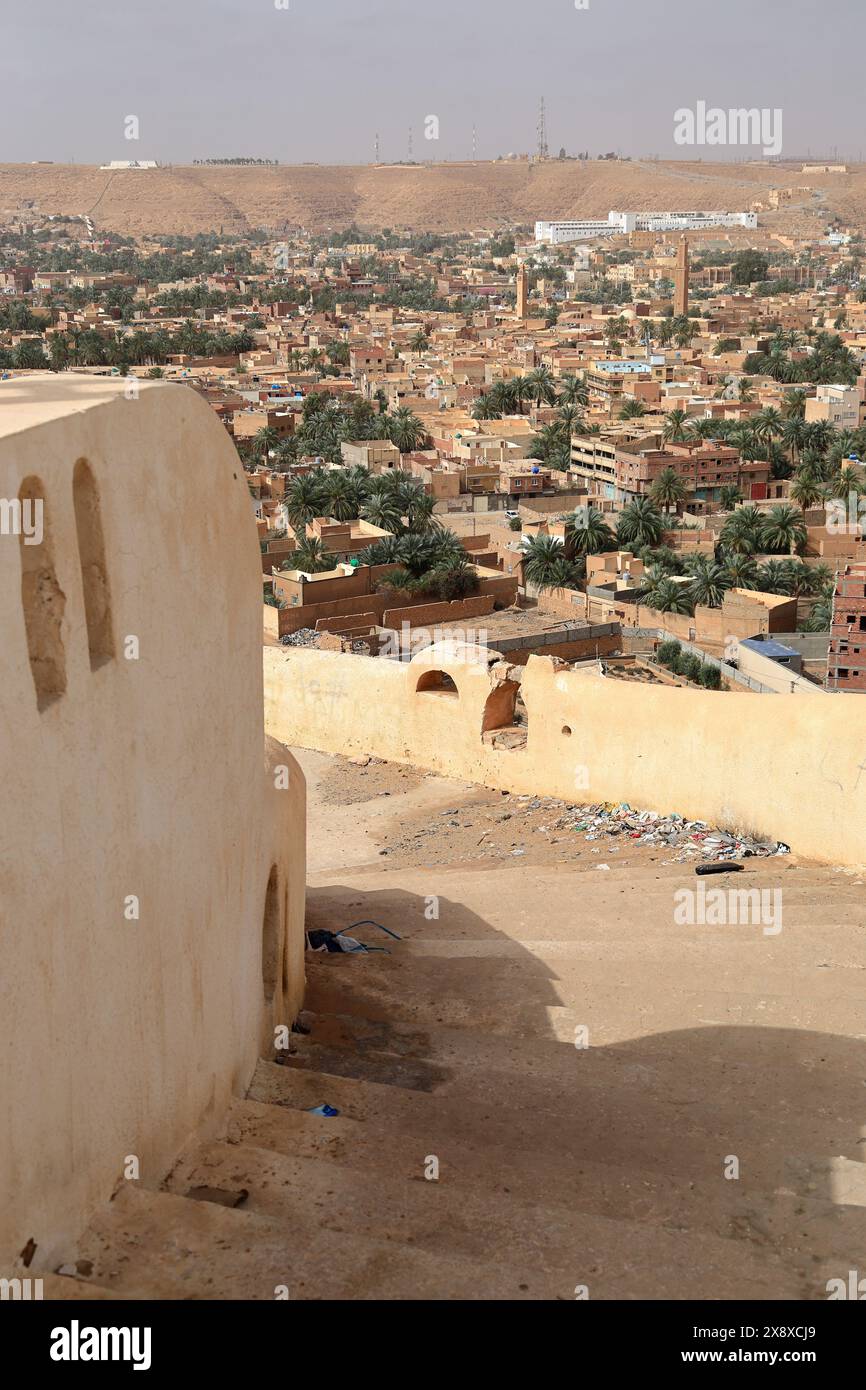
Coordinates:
<point>304,637</point>
<point>690,838</point>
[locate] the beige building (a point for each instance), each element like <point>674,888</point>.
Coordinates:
<point>376,455</point>
<point>153,895</point>
<point>838,405</point>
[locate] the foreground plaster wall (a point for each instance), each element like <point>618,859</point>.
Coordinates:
<point>779,767</point>
<point>147,777</point>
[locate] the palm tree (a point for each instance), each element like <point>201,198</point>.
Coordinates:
<point>632,409</point>
<point>774,577</point>
<point>803,579</point>
<point>698,429</point>
<point>664,331</point>
<point>794,404</point>
<point>573,392</point>
<point>587,533</point>
<point>485,407</point>
<point>817,464</point>
<point>710,581</point>
<point>405,430</point>
<point>665,595</point>
<point>640,523</point>
<point>684,330</point>
<point>767,424</point>
<point>303,501</point>
<point>745,390</point>
<point>668,490</point>
<point>264,440</point>
<point>818,435</point>
<point>518,392</point>
<point>806,491</point>
<point>546,565</point>
<point>385,551</point>
<point>341,495</point>
<point>420,515</point>
<point>541,386</point>
<point>419,341</point>
<point>821,617</point>
<point>383,512</point>
<point>742,571</point>
<point>849,479</point>
<point>783,530</point>
<point>404,581</point>
<point>793,434</point>
<point>729,496</point>
<point>570,418</point>
<point>454,577</point>
<point>499,400</point>
<point>675,425</point>
<point>742,531</point>
<point>419,553</point>
<point>311,557</point>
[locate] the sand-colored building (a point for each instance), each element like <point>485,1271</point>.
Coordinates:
<point>153,895</point>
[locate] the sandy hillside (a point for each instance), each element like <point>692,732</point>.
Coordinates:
<point>443,197</point>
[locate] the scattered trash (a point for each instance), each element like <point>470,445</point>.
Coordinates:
<point>327,1111</point>
<point>319,939</point>
<point>603,866</point>
<point>304,637</point>
<point>606,820</point>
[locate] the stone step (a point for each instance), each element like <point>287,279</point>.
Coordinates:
<point>671,1102</point>
<point>510,1168</point>
<point>505,998</point>
<point>156,1245</point>
<point>569,970</point>
<point>479,1222</point>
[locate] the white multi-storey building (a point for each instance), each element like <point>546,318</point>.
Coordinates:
<point>557,233</point>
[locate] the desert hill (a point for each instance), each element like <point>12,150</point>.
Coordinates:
<point>438,197</point>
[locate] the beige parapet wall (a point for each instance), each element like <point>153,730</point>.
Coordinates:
<point>141,777</point>
<point>779,767</point>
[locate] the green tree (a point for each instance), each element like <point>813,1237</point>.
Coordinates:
<point>749,266</point>
<point>665,595</point>
<point>710,581</point>
<point>668,490</point>
<point>587,533</point>
<point>541,386</point>
<point>675,425</point>
<point>546,565</point>
<point>729,496</point>
<point>640,523</point>
<point>311,557</point>
<point>783,530</point>
<point>405,430</point>
<point>743,531</point>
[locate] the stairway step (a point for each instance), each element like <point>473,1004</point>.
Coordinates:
<point>503,997</point>
<point>159,1246</point>
<point>702,1200</point>
<point>679,1099</point>
<point>616,1258</point>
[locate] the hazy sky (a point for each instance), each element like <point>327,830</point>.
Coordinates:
<point>316,81</point>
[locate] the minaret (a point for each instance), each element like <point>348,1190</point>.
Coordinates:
<point>681,278</point>
<point>522,293</point>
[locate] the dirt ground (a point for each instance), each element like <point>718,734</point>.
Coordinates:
<point>405,818</point>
